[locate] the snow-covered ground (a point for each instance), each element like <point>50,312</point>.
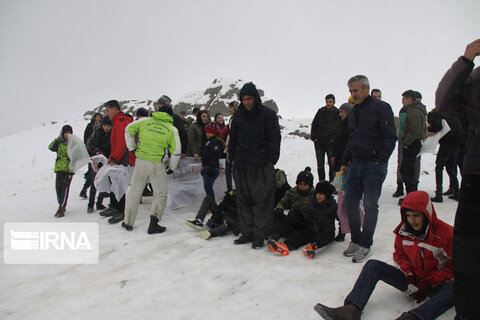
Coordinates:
<point>178,275</point>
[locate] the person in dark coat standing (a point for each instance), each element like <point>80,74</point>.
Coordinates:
<point>371,142</point>
<point>459,90</point>
<point>341,137</point>
<point>254,149</point>
<point>324,126</point>
<point>448,151</point>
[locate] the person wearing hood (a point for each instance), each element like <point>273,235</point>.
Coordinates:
<point>254,149</point>
<point>423,259</point>
<point>414,131</point>
<point>315,224</point>
<point>62,171</point>
<point>158,150</point>
<point>92,127</point>
<point>196,135</point>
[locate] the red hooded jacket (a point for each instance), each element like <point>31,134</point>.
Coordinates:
<point>429,256</point>
<point>119,147</point>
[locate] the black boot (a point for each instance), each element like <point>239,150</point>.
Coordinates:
<point>399,192</point>
<point>347,312</point>
<point>454,195</point>
<point>154,227</point>
<point>448,192</point>
<point>83,193</point>
<point>438,197</point>
<point>244,238</point>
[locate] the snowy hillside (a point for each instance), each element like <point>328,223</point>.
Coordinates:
<point>178,275</point>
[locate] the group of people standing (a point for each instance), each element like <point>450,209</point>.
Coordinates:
<point>365,129</point>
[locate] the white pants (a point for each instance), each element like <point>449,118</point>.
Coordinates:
<point>145,170</point>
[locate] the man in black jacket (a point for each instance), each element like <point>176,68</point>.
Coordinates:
<point>323,130</point>
<point>253,151</point>
<point>371,141</point>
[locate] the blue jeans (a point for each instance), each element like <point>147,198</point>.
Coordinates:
<point>208,181</point>
<point>442,297</point>
<point>363,179</point>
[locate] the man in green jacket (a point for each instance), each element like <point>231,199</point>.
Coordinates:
<point>158,150</point>
<point>414,131</point>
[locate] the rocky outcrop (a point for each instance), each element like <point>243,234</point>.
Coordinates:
<point>128,106</point>
<point>216,97</point>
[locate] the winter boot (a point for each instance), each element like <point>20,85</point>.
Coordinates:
<point>108,212</point>
<point>126,226</point>
<point>60,212</point>
<point>83,193</point>
<point>347,312</point>
<point>154,227</point>
<point>438,197</point>
<point>257,243</point>
<point>117,217</point>
<point>244,238</point>
<point>399,192</point>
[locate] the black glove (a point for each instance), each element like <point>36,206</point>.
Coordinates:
<point>422,292</point>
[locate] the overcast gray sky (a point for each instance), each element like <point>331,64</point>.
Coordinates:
<point>59,58</point>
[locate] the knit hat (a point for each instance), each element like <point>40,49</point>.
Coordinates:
<point>164,101</point>
<point>141,112</point>
<point>107,121</point>
<point>305,176</point>
<point>325,188</point>
<point>249,89</point>
<point>167,109</point>
<point>213,128</point>
<point>347,107</point>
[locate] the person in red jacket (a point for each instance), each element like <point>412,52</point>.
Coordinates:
<point>119,155</point>
<point>423,255</point>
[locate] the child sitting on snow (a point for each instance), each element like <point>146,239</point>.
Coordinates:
<point>297,198</point>
<point>224,216</point>
<point>316,225</point>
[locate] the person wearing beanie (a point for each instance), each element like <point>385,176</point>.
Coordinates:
<point>324,126</point>
<point>196,135</point>
<point>211,153</point>
<point>423,266</point>
<point>158,150</point>
<point>62,171</point>
<point>314,226</point>
<point>254,149</point>
<point>164,104</point>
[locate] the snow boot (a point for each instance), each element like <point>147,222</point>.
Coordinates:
<point>83,193</point>
<point>438,197</point>
<point>244,238</point>
<point>347,312</point>
<point>257,244</point>
<point>399,192</point>
<point>154,227</point>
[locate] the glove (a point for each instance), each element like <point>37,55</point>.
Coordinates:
<point>423,289</point>
<point>310,250</point>
<point>410,284</point>
<point>169,171</point>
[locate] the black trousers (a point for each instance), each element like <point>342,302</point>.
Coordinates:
<point>62,186</point>
<point>446,158</point>
<point>408,166</point>
<point>117,204</point>
<point>322,148</point>
<point>466,249</point>
<point>255,196</point>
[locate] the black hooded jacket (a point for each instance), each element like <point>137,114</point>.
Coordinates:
<point>255,135</point>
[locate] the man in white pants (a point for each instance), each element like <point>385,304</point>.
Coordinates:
<point>158,150</point>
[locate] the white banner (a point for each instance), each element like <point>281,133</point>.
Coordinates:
<point>185,185</point>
